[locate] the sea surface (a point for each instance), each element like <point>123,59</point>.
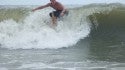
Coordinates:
<point>91,37</point>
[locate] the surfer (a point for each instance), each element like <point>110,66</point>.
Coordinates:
<point>60,10</point>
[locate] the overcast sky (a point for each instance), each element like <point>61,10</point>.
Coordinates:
<point>41,2</point>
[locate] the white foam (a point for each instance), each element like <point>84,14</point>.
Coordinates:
<point>33,32</point>
<point>33,66</point>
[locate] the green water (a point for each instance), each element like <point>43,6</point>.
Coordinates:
<point>17,14</point>
<point>108,37</point>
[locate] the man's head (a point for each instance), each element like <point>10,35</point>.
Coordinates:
<point>53,1</point>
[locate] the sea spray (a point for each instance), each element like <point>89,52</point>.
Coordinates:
<point>34,32</point>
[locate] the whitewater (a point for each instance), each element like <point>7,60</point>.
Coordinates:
<point>35,31</point>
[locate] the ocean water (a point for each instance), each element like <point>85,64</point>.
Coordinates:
<point>91,37</point>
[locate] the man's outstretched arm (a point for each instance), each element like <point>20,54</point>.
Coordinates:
<point>41,7</point>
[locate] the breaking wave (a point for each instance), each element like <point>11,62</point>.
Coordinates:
<point>22,29</point>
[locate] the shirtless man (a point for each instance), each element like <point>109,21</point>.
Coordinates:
<point>60,10</point>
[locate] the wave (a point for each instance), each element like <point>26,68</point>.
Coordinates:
<point>109,26</point>
<point>33,29</point>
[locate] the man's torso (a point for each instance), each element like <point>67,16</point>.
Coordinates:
<point>57,6</point>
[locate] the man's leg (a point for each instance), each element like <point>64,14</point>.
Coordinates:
<point>54,19</point>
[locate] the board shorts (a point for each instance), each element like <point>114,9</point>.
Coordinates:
<point>57,13</point>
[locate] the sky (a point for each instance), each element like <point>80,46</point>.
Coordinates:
<point>69,2</point>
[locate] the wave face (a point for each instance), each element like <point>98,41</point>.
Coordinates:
<point>27,30</point>
<point>107,36</point>
<point>109,25</point>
